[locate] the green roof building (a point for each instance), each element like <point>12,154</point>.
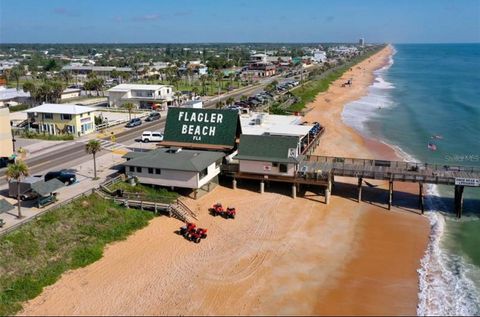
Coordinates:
<point>268,154</point>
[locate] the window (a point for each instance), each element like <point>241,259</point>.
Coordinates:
<point>283,168</point>
<point>157,171</point>
<point>150,170</point>
<point>132,169</point>
<point>275,164</point>
<point>48,115</point>
<point>139,169</point>
<point>218,163</point>
<point>64,116</point>
<point>202,174</point>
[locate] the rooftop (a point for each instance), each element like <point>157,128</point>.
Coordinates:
<point>128,87</point>
<point>63,108</point>
<point>11,93</point>
<point>267,148</point>
<point>174,159</point>
<point>269,124</point>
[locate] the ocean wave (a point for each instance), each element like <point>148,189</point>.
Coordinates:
<point>444,286</point>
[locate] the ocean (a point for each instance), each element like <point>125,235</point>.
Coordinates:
<point>429,93</point>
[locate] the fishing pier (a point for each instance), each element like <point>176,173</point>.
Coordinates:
<point>322,170</point>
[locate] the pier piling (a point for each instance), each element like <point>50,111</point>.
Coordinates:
<point>458,200</point>
<point>420,197</point>
<point>360,180</point>
<point>262,187</point>
<point>294,191</point>
<point>234,183</point>
<point>390,194</point>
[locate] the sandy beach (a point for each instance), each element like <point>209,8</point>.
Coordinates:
<point>280,256</point>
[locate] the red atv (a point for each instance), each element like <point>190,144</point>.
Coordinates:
<point>217,210</point>
<point>198,234</point>
<point>188,229</point>
<point>230,212</point>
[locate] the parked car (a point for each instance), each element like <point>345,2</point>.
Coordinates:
<point>65,177</point>
<point>4,161</point>
<point>133,123</point>
<point>25,189</point>
<point>149,136</point>
<point>153,116</point>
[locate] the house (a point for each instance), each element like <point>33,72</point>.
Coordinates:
<point>58,119</point>
<point>142,96</point>
<point>174,167</point>
<point>6,143</point>
<point>268,154</point>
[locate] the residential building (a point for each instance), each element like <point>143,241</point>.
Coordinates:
<point>319,56</point>
<point>174,167</point>
<point>361,42</point>
<point>142,96</point>
<point>6,144</point>
<point>58,119</point>
<point>268,154</point>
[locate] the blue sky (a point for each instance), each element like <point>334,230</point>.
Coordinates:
<point>179,21</point>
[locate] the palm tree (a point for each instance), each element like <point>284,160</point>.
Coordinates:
<point>177,96</point>
<point>17,171</point>
<point>92,147</point>
<point>203,80</point>
<point>230,101</point>
<point>129,106</point>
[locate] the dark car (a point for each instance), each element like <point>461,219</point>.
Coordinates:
<point>134,123</point>
<point>153,116</point>
<point>64,177</point>
<point>4,161</point>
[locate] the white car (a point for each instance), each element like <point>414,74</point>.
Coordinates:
<point>149,136</point>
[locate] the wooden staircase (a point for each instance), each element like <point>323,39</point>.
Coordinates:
<point>181,211</point>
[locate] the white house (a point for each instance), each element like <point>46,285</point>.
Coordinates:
<point>143,96</point>
<point>193,104</point>
<point>174,167</point>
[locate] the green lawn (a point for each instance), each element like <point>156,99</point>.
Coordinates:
<point>160,195</point>
<point>70,237</point>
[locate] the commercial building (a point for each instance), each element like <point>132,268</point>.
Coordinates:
<point>174,167</point>
<point>58,119</point>
<point>142,96</point>
<point>268,154</point>
<point>6,144</point>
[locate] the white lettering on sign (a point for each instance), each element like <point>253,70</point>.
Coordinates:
<point>475,182</point>
<point>200,117</point>
<point>192,129</point>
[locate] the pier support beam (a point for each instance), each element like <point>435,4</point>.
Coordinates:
<point>327,196</point>
<point>458,200</point>
<point>390,194</point>
<point>234,183</point>
<point>420,197</point>
<point>294,191</point>
<point>262,187</point>
<point>360,181</point>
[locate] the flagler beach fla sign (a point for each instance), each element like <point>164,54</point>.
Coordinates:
<point>203,126</point>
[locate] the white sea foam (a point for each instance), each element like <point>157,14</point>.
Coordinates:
<point>445,286</point>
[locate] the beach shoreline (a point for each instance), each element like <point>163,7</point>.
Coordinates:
<point>392,227</point>
<point>279,256</point>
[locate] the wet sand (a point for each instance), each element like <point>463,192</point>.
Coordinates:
<point>280,256</point>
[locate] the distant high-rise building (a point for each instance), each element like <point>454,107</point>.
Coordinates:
<point>361,42</point>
